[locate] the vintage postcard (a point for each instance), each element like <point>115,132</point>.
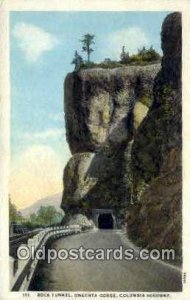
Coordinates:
<point>94,149</point>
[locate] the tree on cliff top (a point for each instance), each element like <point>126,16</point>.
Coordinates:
<point>87,41</point>
<point>124,56</point>
<point>77,61</point>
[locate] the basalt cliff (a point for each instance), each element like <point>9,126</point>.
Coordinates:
<point>155,218</point>
<point>103,109</point>
<point>123,128</point>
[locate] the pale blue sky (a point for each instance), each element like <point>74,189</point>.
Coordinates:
<point>42,45</point>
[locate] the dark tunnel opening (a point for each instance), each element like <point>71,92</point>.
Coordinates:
<point>105,221</point>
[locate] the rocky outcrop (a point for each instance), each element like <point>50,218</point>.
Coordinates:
<point>155,217</point>
<point>123,128</point>
<point>80,220</point>
<point>98,103</point>
<point>103,109</point>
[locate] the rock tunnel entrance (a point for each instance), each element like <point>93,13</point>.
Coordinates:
<point>105,221</point>
<point>104,218</point>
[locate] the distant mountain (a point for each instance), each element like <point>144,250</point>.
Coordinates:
<point>53,200</point>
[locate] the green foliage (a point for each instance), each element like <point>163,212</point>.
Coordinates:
<point>46,215</point>
<point>106,64</point>
<point>144,56</point>
<point>110,64</point>
<point>87,42</point>
<point>14,214</point>
<point>124,56</point>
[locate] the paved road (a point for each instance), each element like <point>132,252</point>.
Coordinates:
<point>135,275</point>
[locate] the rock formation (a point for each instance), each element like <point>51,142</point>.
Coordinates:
<point>80,220</point>
<point>123,127</point>
<point>155,217</point>
<point>103,108</point>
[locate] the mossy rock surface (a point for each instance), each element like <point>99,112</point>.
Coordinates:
<point>155,218</point>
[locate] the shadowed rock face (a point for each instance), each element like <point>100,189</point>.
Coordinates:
<point>103,108</point>
<point>155,217</point>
